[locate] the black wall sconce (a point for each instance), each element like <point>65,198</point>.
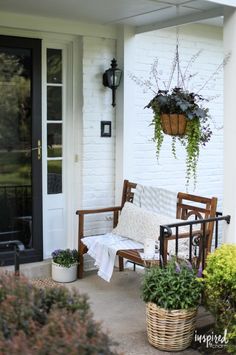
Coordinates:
<point>111,79</point>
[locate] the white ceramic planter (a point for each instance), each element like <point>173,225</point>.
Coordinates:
<point>64,274</point>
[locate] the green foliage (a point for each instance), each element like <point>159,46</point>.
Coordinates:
<point>179,101</point>
<point>198,132</point>
<point>158,133</point>
<point>47,321</point>
<point>15,119</point>
<point>174,287</point>
<point>65,257</point>
<point>55,166</point>
<point>193,134</point>
<point>220,290</point>
<point>14,102</point>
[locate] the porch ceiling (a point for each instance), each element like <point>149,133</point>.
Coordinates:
<point>145,15</point>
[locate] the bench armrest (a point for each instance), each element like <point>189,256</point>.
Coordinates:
<point>98,210</point>
<point>82,213</point>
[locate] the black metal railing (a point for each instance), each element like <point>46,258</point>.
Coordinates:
<point>197,238</point>
<point>218,214</point>
<point>17,246</point>
<point>16,194</point>
<point>15,201</point>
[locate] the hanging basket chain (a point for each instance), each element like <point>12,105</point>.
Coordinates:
<point>181,101</point>
<point>176,63</point>
<point>177,47</point>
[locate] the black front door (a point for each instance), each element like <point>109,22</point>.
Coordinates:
<point>20,147</point>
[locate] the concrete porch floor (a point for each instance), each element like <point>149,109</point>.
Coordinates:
<point>117,305</point>
<point>120,309</point>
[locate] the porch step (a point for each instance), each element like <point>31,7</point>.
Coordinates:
<point>41,269</point>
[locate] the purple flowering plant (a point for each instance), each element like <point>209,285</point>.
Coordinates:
<point>175,286</point>
<point>65,257</point>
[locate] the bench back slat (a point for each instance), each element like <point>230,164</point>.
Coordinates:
<point>128,193</point>
<point>203,208</point>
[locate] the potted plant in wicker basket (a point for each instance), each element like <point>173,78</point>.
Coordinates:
<point>172,295</point>
<point>64,265</point>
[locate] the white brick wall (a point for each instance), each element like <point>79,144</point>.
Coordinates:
<point>98,170</point>
<point>98,165</point>
<point>170,173</point>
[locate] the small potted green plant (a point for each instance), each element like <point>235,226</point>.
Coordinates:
<point>172,295</point>
<point>64,265</point>
<point>179,113</point>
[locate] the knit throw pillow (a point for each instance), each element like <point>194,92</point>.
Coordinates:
<point>139,224</point>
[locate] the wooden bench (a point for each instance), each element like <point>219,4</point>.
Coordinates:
<point>187,206</point>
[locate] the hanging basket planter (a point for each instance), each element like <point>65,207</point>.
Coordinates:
<point>173,124</point>
<point>190,125</point>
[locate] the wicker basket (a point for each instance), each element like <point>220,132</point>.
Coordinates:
<point>170,330</point>
<point>173,124</point>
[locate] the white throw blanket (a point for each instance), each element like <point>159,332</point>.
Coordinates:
<point>156,200</point>
<point>103,249</point>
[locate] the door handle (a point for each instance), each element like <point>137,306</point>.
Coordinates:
<point>38,148</point>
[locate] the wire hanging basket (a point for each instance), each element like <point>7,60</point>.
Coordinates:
<point>173,124</point>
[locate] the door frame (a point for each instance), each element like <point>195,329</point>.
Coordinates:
<point>36,253</point>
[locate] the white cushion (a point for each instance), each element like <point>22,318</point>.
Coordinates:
<point>139,224</point>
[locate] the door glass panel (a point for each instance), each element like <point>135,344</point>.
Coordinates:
<point>54,66</point>
<point>54,139</point>
<point>54,176</point>
<point>54,103</point>
<point>54,113</point>
<point>15,145</point>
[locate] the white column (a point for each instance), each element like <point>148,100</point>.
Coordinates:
<point>230,124</point>
<point>125,109</point>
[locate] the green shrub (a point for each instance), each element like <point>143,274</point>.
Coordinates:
<point>174,287</point>
<point>47,321</point>
<point>220,290</point>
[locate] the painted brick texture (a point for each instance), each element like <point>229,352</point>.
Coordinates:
<point>169,172</point>
<point>98,165</point>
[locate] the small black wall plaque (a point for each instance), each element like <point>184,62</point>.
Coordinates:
<point>105,128</point>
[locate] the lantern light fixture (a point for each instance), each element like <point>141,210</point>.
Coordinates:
<point>112,78</point>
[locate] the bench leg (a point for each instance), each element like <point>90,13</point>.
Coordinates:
<point>121,263</point>
<point>81,267</point>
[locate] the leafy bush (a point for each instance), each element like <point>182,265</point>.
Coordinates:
<point>47,321</point>
<point>174,287</point>
<point>220,290</point>
<point>65,257</point>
